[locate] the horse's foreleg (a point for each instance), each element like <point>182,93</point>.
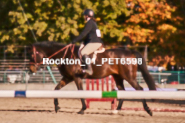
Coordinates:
<point>61,84</point>
<point>120,86</point>
<point>79,85</point>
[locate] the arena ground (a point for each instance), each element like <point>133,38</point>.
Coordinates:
<point>22,110</point>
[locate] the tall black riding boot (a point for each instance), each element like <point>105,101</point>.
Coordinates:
<point>88,68</point>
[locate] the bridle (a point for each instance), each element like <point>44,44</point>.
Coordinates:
<point>35,53</point>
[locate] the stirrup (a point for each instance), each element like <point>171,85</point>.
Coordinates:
<point>88,67</point>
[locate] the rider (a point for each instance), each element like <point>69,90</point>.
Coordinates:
<point>92,39</point>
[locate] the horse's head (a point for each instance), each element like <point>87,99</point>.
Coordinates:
<point>36,58</point>
<point>39,51</point>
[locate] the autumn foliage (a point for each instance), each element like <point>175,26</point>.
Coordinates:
<point>157,23</point>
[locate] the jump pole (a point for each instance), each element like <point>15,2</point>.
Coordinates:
<point>94,94</point>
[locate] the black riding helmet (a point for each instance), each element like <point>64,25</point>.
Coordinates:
<point>89,13</point>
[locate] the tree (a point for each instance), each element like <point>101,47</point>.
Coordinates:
<point>159,24</point>
<point>156,23</point>
<point>59,20</point>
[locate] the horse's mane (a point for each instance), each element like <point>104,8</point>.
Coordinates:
<point>49,44</point>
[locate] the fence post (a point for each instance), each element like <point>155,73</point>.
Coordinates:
<point>159,80</point>
<point>44,77</point>
<point>178,77</point>
<point>24,77</point>
<point>4,78</point>
<point>140,78</point>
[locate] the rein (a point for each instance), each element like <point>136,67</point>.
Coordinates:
<point>71,46</point>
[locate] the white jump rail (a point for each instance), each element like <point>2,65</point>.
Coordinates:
<point>94,94</point>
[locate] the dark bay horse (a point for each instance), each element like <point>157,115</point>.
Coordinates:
<point>119,71</point>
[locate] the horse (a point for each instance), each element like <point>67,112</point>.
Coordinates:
<point>72,72</point>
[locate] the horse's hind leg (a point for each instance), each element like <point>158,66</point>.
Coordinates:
<point>61,84</point>
<point>147,109</point>
<point>138,87</point>
<point>79,85</point>
<point>120,86</point>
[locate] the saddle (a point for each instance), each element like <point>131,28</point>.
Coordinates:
<point>99,50</point>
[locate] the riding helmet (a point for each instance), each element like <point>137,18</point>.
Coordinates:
<point>89,13</point>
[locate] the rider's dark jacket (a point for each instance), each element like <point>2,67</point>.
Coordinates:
<point>90,33</point>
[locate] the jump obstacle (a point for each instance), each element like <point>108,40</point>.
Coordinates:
<point>99,95</point>
<point>108,84</point>
<point>94,94</point>
<point>104,81</point>
<point>112,100</point>
<point>105,95</point>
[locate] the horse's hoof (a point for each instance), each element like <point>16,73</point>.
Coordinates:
<point>114,111</point>
<point>57,108</point>
<point>81,112</point>
<point>149,112</point>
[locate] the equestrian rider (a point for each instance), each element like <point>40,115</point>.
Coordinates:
<point>92,40</point>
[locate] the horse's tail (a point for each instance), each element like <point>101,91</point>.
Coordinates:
<point>146,75</point>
